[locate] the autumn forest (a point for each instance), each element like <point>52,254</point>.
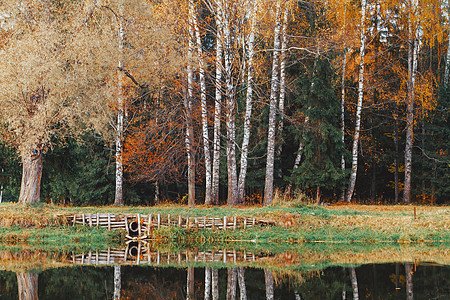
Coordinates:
<point>224,101</point>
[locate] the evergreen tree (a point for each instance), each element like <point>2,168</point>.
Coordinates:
<point>321,135</point>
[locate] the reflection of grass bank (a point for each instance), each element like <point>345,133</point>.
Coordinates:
<point>295,223</point>
<point>290,259</point>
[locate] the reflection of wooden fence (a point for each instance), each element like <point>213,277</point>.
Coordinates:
<point>141,254</point>
<point>139,225</point>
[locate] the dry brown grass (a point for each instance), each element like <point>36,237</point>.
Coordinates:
<point>29,216</point>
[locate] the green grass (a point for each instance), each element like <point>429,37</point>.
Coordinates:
<point>294,223</point>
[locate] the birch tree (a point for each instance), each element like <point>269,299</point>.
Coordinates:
<point>268,187</point>
<point>218,101</point>
<point>188,108</point>
<point>362,48</point>
<point>118,198</point>
<point>248,106</point>
<point>413,52</point>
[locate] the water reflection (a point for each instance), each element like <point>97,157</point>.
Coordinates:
<point>228,274</point>
<point>140,282</point>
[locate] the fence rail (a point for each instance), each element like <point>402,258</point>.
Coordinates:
<point>139,225</point>
<point>138,254</point>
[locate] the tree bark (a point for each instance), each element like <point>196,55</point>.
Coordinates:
<point>208,283</point>
<point>284,43</point>
<point>248,107</point>
<point>359,105</point>
<point>409,282</point>
<point>190,286</point>
<point>188,112</point>
<point>30,187</point>
<point>413,52</point>
<point>27,284</point>
<point>230,112</point>
<point>344,65</point>
<point>215,284</point>
<point>231,284</point>
<point>117,282</point>
<point>396,189</point>
<point>218,104</point>
<point>268,187</point>
<point>447,61</point>
<point>205,131</point>
<point>118,198</point>
<point>354,283</point>
<point>268,278</point>
<point>241,280</point>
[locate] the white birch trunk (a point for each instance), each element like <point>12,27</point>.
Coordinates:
<point>409,282</point>
<point>218,104</point>
<point>241,281</point>
<point>215,284</point>
<point>269,281</point>
<point>268,187</point>
<point>230,111</point>
<point>248,106</point>
<point>413,52</point>
<point>344,68</point>
<point>205,133</point>
<point>188,111</point>
<point>359,105</point>
<point>117,282</point>
<point>190,284</point>
<point>231,283</point>
<point>447,61</point>
<point>344,64</point>
<point>208,283</point>
<point>284,42</point>
<point>118,198</point>
<point>354,283</point>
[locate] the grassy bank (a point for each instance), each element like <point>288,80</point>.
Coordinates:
<point>294,223</point>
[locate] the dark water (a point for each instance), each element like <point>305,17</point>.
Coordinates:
<point>371,281</point>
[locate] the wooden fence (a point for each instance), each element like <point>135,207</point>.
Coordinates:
<point>141,254</point>
<point>138,225</point>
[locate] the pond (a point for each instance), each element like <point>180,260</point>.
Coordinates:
<point>142,272</point>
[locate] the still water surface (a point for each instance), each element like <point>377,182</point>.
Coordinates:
<point>213,275</point>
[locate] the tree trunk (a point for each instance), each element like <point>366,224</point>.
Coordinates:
<point>241,280</point>
<point>268,187</point>
<point>248,106</point>
<point>218,105</point>
<point>215,284</point>
<point>27,284</point>
<point>284,42</point>
<point>396,190</point>
<point>354,283</point>
<point>205,131</point>
<point>117,282</point>
<point>188,112</point>
<point>447,61</point>
<point>118,198</point>
<point>344,66</point>
<point>413,51</point>
<point>208,283</point>
<point>268,278</point>
<point>231,284</point>
<point>190,286</point>
<point>30,187</point>
<point>230,112</point>
<point>359,105</point>
<point>409,282</point>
